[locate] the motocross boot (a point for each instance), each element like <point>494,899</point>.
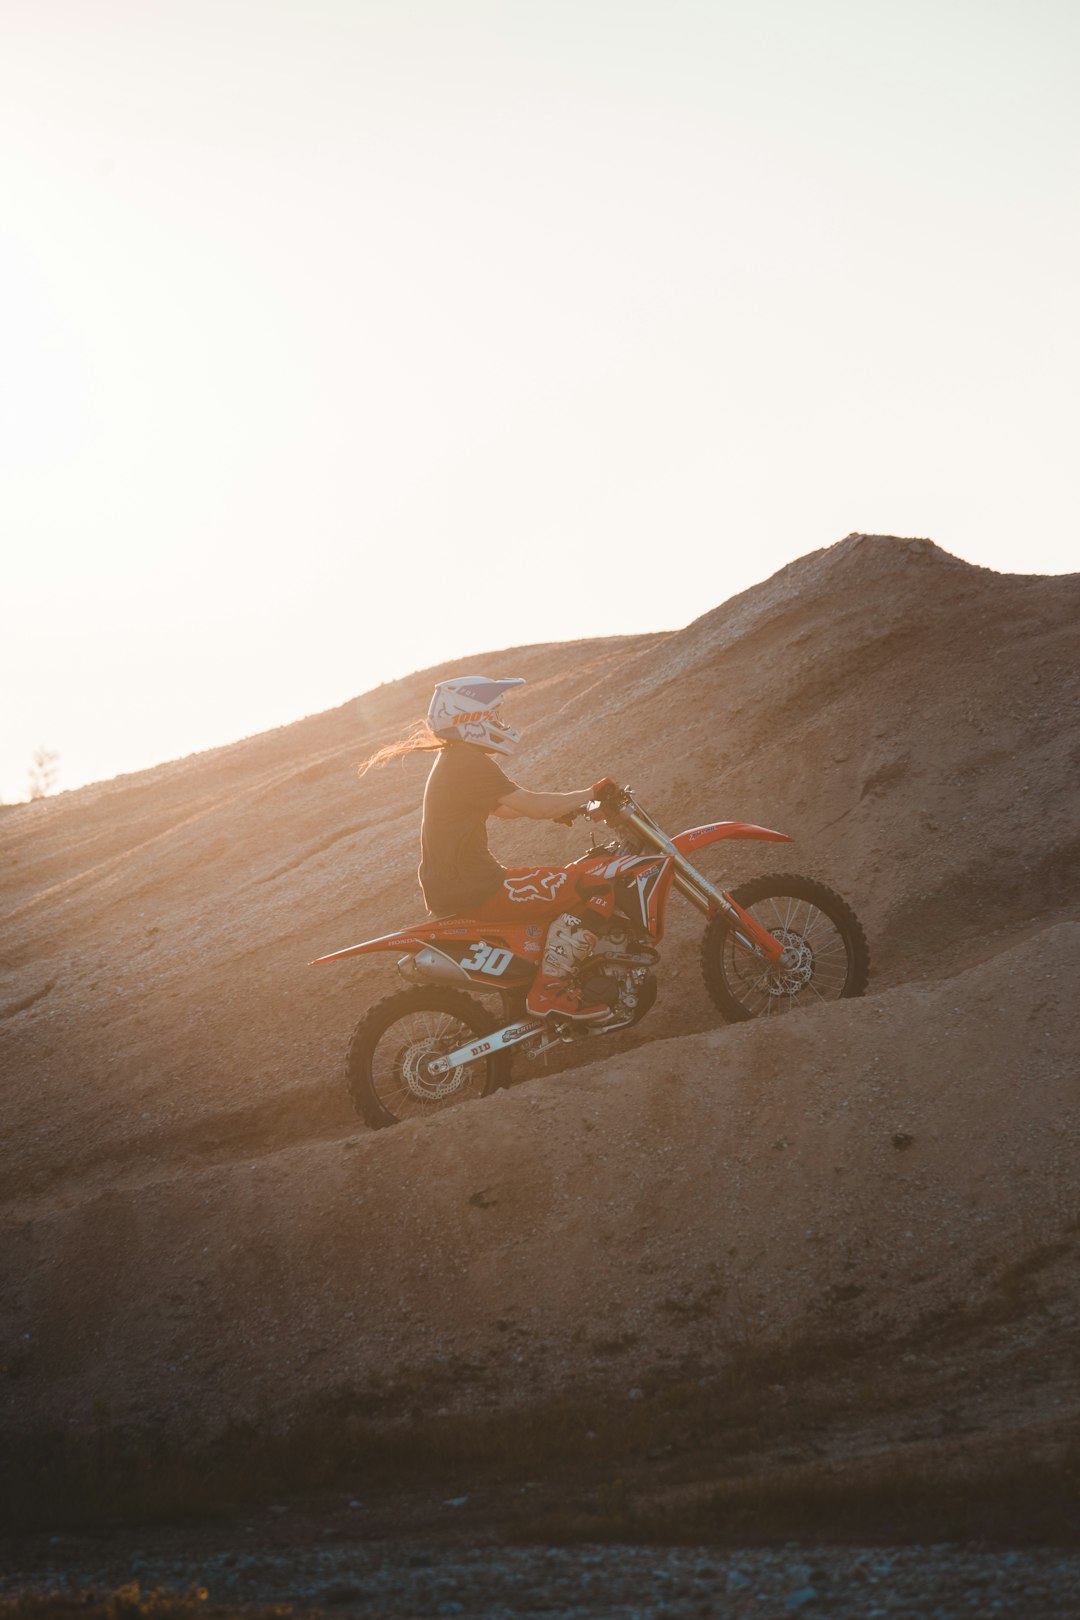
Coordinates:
<point>568,944</point>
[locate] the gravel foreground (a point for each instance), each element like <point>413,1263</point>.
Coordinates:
<point>491,1582</point>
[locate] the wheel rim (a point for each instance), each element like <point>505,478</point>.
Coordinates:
<point>814,967</point>
<point>400,1077</point>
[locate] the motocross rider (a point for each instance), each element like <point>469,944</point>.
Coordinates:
<point>458,873</point>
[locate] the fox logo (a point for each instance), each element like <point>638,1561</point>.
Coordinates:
<point>538,885</point>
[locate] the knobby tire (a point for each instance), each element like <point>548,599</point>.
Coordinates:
<point>482,1077</point>
<point>721,960</point>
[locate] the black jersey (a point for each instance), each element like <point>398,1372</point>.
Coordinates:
<point>457,869</point>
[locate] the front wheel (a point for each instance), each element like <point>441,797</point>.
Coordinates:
<point>826,954</point>
<point>388,1069</point>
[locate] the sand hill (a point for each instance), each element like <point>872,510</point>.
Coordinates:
<point>197,1226</point>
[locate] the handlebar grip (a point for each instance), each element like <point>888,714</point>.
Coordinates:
<point>606,785</point>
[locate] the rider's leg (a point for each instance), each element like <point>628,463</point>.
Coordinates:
<point>568,944</point>
<point>531,894</point>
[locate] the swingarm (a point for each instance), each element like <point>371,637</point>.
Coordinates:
<point>512,1035</point>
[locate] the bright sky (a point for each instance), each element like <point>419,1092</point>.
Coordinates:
<point>341,336</point>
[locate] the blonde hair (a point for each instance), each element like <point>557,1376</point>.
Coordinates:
<point>421,739</point>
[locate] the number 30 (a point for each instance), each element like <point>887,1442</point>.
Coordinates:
<point>488,959</point>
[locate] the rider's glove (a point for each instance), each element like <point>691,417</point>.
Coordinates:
<point>606,796</point>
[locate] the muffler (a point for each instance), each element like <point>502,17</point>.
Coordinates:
<point>430,966</point>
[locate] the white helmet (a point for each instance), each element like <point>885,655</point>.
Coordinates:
<point>466,709</point>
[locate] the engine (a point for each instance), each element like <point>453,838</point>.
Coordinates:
<point>618,972</point>
<point>621,945</point>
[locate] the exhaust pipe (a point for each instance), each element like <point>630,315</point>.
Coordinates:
<point>430,966</point>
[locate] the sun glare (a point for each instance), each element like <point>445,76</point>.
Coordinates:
<point>343,341</point>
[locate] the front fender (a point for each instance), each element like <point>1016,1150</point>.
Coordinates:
<point>695,838</point>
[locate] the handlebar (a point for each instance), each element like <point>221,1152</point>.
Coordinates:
<point>607,796</point>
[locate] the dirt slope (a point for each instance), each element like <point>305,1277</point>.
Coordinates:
<point>858,1166</point>
<point>191,1212</point>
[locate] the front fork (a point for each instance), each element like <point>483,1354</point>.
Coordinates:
<point>749,933</point>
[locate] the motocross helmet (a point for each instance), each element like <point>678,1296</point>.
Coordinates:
<point>466,709</point>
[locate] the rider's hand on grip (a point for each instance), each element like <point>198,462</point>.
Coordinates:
<point>606,796</point>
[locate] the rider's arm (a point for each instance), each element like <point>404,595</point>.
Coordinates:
<point>539,806</point>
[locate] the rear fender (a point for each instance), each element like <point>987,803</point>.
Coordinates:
<point>491,956</point>
<point>695,838</point>
<point>409,941</point>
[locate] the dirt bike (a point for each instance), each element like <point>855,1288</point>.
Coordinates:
<point>772,945</point>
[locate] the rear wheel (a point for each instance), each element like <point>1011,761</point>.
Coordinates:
<point>826,954</point>
<point>388,1066</point>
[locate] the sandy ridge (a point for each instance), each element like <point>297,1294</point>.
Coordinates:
<point>190,1208</point>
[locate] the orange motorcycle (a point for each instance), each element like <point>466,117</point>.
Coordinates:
<point>771,946</point>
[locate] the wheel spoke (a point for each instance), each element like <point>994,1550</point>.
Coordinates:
<point>817,965</point>
<point>394,1067</point>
